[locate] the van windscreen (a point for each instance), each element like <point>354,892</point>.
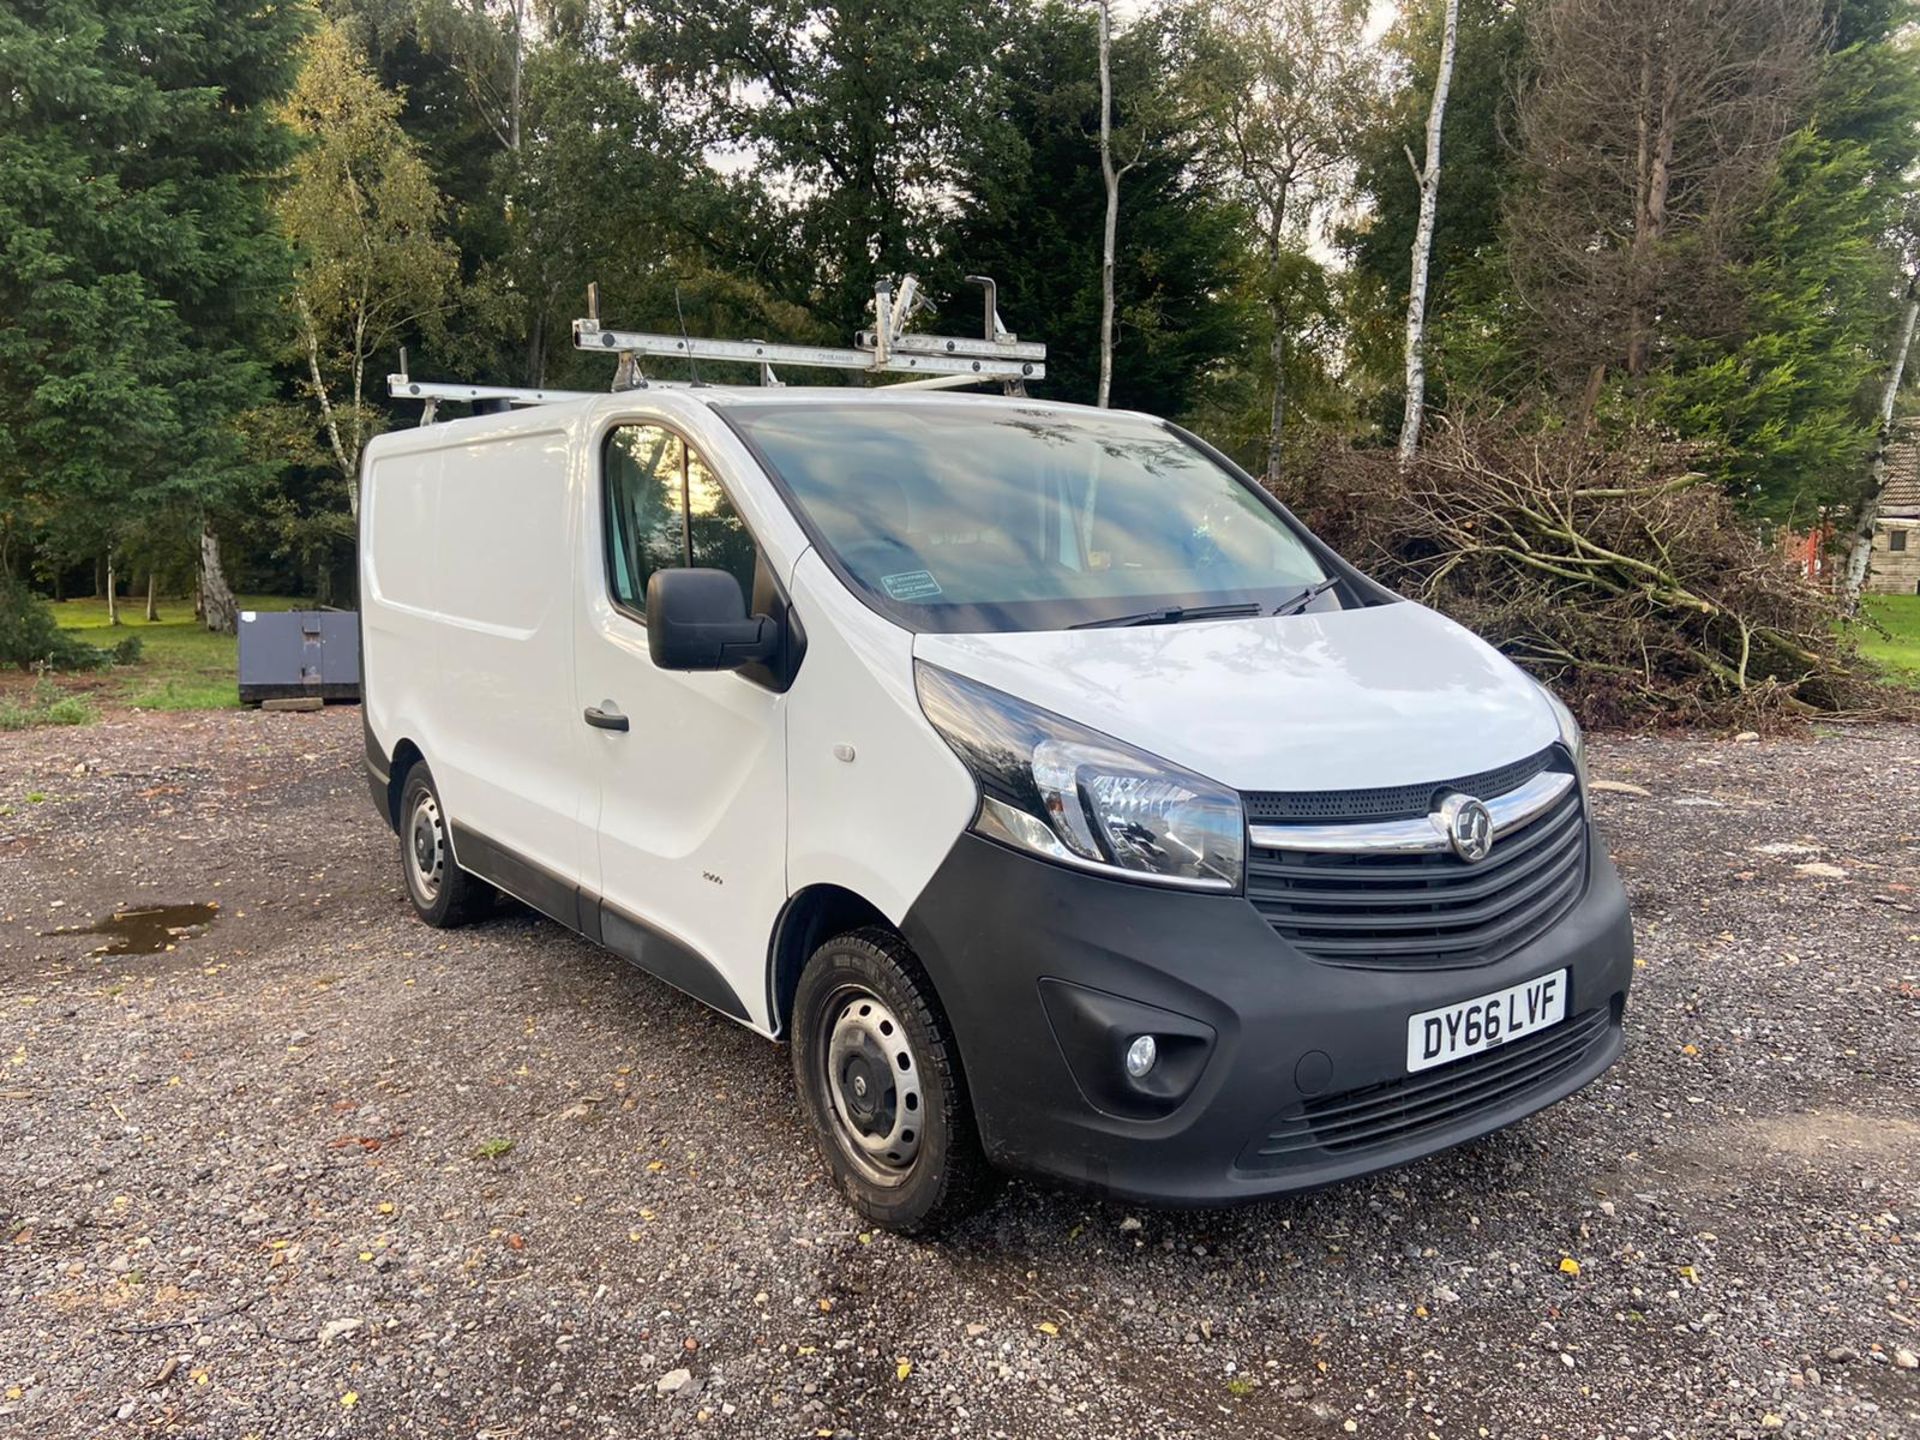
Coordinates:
<point>971,516</point>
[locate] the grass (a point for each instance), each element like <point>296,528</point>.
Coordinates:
<point>182,665</point>
<point>45,704</point>
<point>1899,649</point>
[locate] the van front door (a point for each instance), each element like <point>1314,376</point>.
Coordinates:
<point>690,768</point>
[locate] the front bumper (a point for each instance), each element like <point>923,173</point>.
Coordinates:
<point>1283,1072</point>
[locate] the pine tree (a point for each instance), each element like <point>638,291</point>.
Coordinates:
<point>1787,399</point>
<point>138,261</point>
<point>1780,403</point>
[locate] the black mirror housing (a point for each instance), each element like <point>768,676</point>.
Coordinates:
<point>697,620</point>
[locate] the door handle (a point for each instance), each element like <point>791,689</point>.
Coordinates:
<point>605,719</point>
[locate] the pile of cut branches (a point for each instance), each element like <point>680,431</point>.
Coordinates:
<point>1611,569</point>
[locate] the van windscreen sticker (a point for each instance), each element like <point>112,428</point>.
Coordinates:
<point>911,585</point>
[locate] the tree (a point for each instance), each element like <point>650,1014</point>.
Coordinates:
<point>610,186</point>
<point>1782,392</point>
<point>486,43</point>
<point>1278,87</point>
<point>364,217</point>
<point>491,47</point>
<point>1463,256</point>
<point>138,266</point>
<point>443,58</point>
<point>1110,175</point>
<point>1777,394</point>
<point>858,115</point>
<point>1428,178</point>
<point>1649,131</point>
<point>1029,210</point>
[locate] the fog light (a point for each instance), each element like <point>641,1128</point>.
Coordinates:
<point>1140,1056</point>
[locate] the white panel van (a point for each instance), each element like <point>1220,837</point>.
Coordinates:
<point>1063,803</point>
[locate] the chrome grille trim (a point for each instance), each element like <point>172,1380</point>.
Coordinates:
<point>1413,837</point>
<point>1407,905</point>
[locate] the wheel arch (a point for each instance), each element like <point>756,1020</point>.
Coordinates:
<point>812,915</point>
<point>406,755</point>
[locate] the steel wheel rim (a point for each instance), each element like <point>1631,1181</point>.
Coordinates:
<point>872,1081</point>
<point>426,847</point>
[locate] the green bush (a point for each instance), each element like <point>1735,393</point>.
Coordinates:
<point>69,710</point>
<point>29,635</point>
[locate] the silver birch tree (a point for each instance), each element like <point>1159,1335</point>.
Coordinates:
<point>1112,179</point>
<point>1428,176</point>
<point>1112,172</point>
<point>362,212</point>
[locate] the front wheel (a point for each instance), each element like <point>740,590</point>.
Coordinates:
<point>879,1077</point>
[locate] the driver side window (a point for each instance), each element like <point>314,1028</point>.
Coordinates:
<point>664,507</point>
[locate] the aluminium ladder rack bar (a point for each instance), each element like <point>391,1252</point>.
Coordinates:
<point>904,360</point>
<point>405,387</point>
<point>914,344</point>
<point>432,392</point>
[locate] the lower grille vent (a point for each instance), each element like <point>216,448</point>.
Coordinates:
<point>1397,1111</point>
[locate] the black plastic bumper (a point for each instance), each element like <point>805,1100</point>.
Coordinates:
<point>1255,1036</point>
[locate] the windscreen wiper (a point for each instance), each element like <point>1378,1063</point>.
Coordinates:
<point>1172,615</point>
<point>1306,597</point>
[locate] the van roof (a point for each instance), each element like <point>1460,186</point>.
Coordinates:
<point>552,413</point>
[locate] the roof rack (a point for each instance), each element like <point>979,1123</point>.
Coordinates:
<point>889,348</point>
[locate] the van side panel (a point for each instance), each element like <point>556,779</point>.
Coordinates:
<point>878,824</point>
<point>399,659</point>
<point>502,734</point>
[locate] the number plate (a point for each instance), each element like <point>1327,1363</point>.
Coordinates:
<point>1436,1036</point>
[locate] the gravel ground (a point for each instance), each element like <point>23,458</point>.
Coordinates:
<point>318,1170</point>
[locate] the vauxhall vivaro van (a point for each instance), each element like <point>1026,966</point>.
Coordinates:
<point>1063,803</point>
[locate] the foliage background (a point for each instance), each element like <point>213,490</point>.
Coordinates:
<point>220,219</point>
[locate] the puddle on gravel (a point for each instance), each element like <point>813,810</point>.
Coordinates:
<point>146,929</point>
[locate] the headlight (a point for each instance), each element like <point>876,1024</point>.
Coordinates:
<point>1570,735</point>
<point>1077,797</point>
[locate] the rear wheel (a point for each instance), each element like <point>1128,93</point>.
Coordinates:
<point>879,1077</point>
<point>442,893</point>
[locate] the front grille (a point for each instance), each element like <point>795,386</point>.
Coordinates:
<point>1429,910</point>
<point>1389,802</point>
<point>1396,1112</point>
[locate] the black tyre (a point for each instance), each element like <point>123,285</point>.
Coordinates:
<point>879,1077</point>
<point>442,893</point>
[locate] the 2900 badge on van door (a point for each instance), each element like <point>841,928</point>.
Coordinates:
<point>1437,1036</point>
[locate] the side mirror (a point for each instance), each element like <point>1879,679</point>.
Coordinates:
<point>696,620</point>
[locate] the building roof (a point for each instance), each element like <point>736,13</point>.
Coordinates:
<point>1901,494</point>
